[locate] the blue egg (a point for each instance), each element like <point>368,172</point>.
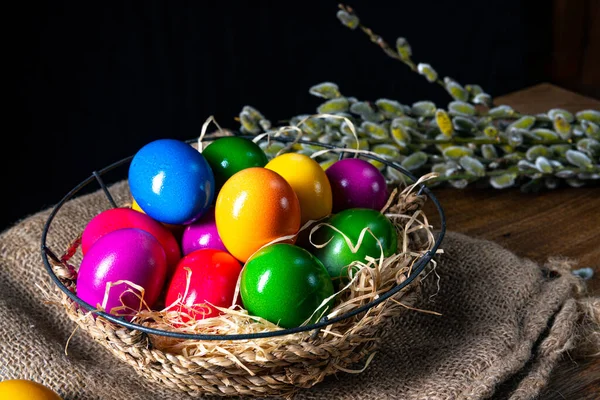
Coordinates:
<point>171,181</point>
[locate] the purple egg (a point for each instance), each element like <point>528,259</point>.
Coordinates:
<point>202,234</point>
<point>356,183</point>
<point>128,254</point>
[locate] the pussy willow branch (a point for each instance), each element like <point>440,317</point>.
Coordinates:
<point>514,170</point>
<point>387,49</point>
<point>393,53</point>
<point>488,141</point>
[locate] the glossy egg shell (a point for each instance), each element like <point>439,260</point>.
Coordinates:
<point>356,183</point>
<point>214,275</point>
<point>129,254</point>
<point>308,180</point>
<point>171,181</point>
<point>254,207</point>
<point>24,389</point>
<point>177,230</point>
<point>122,217</point>
<point>202,234</point>
<point>337,255</point>
<point>285,284</point>
<point>230,154</point>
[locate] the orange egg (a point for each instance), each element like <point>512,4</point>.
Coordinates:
<point>308,180</point>
<point>254,207</point>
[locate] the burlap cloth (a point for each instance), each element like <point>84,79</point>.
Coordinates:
<point>501,316</point>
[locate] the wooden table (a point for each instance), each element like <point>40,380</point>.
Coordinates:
<point>561,222</point>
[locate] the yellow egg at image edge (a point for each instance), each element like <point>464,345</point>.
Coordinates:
<point>24,389</point>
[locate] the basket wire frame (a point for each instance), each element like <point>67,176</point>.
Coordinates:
<point>418,267</point>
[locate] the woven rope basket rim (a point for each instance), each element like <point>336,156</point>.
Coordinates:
<point>288,367</point>
<point>293,366</point>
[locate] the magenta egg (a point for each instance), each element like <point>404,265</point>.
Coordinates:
<point>356,183</point>
<point>202,234</point>
<point>128,254</point>
<point>122,217</point>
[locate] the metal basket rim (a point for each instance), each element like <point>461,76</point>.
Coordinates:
<point>418,267</point>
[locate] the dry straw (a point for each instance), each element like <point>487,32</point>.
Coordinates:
<point>278,365</point>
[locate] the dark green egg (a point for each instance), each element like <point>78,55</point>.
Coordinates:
<point>285,284</point>
<point>337,255</point>
<point>230,154</point>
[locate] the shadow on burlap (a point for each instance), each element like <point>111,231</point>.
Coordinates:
<point>499,315</point>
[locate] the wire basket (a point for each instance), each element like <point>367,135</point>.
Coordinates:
<point>273,362</point>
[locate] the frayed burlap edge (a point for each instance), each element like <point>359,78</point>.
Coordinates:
<point>575,329</point>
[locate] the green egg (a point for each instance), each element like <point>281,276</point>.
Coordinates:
<point>285,284</point>
<point>230,154</point>
<point>337,255</point>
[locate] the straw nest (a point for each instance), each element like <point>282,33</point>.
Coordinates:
<point>279,365</point>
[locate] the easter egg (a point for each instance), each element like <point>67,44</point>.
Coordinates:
<point>285,285</point>
<point>127,254</point>
<point>308,180</point>
<point>254,207</point>
<point>171,181</point>
<point>135,206</point>
<point>230,154</point>
<point>356,183</point>
<point>25,389</point>
<point>202,234</point>
<point>212,281</point>
<point>122,217</point>
<point>337,254</point>
<point>177,230</point>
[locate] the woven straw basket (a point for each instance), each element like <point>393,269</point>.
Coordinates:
<point>276,362</point>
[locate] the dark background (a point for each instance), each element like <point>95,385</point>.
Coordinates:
<point>92,82</point>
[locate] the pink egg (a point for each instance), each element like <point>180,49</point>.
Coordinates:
<point>129,254</point>
<point>202,234</point>
<point>123,217</point>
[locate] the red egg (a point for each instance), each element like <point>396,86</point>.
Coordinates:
<point>122,217</point>
<point>213,278</point>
